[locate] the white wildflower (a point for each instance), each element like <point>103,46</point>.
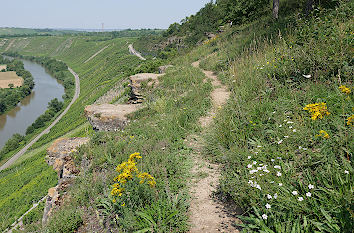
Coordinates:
<point>279,142</point>
<point>308,194</point>
<point>258,187</point>
<point>266,171</point>
<point>286,136</point>
<point>275,196</point>
<point>290,122</point>
<point>268,206</point>
<point>278,173</point>
<point>346,172</point>
<point>261,174</point>
<point>272,160</point>
<point>300,198</point>
<point>249,157</point>
<point>259,146</point>
<point>300,147</point>
<point>294,192</point>
<point>269,196</point>
<point>278,157</point>
<point>272,182</point>
<point>253,171</point>
<point>306,75</point>
<point>277,167</point>
<point>294,130</point>
<point>249,166</point>
<point>311,186</point>
<point>254,162</point>
<point>280,126</point>
<point>290,127</point>
<point>280,184</point>
<point>264,216</point>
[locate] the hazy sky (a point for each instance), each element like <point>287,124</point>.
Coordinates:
<point>115,14</point>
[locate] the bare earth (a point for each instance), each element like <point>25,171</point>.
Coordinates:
<point>206,214</point>
<point>9,77</point>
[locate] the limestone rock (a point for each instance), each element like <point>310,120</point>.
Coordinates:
<point>109,117</point>
<point>58,156</point>
<point>162,69</point>
<point>136,83</point>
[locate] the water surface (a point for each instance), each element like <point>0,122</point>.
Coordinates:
<point>31,107</point>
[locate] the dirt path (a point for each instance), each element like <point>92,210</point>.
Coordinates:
<point>134,52</point>
<point>24,150</point>
<point>19,221</point>
<point>206,214</point>
<point>98,52</point>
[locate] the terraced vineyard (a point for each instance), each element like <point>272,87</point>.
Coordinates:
<point>29,181</point>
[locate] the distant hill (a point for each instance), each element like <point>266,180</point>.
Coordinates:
<point>11,31</point>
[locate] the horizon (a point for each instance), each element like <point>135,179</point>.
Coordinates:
<point>90,14</point>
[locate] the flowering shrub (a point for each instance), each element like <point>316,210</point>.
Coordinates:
<point>317,110</point>
<point>350,120</point>
<point>345,89</point>
<point>323,134</point>
<point>128,173</point>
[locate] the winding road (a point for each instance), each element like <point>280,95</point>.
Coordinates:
<point>136,53</point>
<point>47,130</point>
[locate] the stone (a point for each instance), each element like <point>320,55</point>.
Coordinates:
<point>162,69</point>
<point>136,85</point>
<point>59,156</point>
<point>109,117</point>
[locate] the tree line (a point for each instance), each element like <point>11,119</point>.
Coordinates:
<point>10,97</point>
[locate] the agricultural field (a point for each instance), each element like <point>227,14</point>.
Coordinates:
<point>8,78</point>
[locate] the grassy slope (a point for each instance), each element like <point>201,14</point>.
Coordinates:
<point>264,74</point>
<point>97,76</point>
<point>264,123</point>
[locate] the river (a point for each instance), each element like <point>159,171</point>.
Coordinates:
<point>31,107</point>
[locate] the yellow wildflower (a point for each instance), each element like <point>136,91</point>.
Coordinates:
<point>350,120</point>
<point>345,89</point>
<point>317,110</point>
<point>128,171</point>
<point>323,134</point>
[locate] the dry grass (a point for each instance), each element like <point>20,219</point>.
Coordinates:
<point>2,67</point>
<point>10,77</point>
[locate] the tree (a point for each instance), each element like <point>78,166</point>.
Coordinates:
<point>275,9</point>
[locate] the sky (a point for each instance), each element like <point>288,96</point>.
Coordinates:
<point>90,14</point>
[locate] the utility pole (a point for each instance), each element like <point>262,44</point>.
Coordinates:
<point>102,27</point>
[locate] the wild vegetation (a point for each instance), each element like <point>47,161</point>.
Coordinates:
<point>284,140</point>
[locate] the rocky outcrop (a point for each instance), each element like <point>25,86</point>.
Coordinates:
<point>163,69</point>
<point>59,156</point>
<point>109,117</point>
<point>137,82</point>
